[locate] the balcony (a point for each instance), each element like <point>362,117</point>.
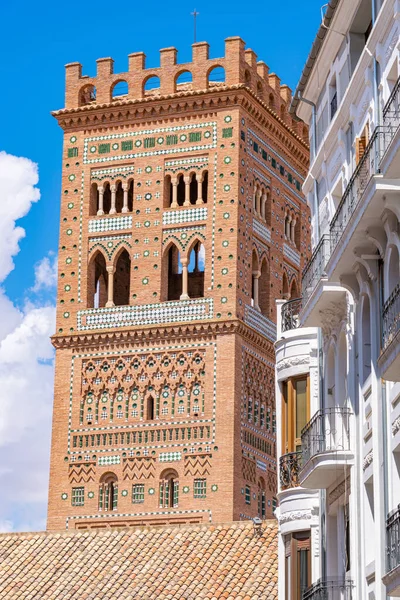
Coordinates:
<point>290,312</point>
<point>318,293</point>
<point>325,442</point>
<point>389,359</point>
<point>289,468</point>
<point>329,589</point>
<point>375,179</point>
<point>392,577</point>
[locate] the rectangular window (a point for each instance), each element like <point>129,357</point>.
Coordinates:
<point>264,155</point>
<point>255,147</point>
<point>298,186</point>
<point>243,135</point>
<point>295,413</point>
<point>282,170</point>
<point>227,132</point>
<point>195,136</point>
<point>126,145</point>
<point>290,177</point>
<point>172,140</point>
<point>297,564</point>
<point>138,493</point>
<point>149,142</point>
<point>247,496</point>
<point>273,162</point>
<point>200,488</point>
<point>104,148</point>
<point>78,496</point>
<point>72,152</point>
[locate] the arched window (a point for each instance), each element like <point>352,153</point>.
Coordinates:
<point>283,112</point>
<point>130,186</point>
<point>167,191</point>
<point>259,90</point>
<point>181,190</point>
<point>122,278</point>
<point>150,409</point>
<point>173,274</point>
<point>264,288</point>
<point>119,89</point>
<point>169,489</point>
<point>271,101</point>
<point>97,281</point>
<point>294,290</point>
<point>285,286</point>
<point>106,198</point>
<point>366,338</point>
<point>151,86</point>
<point>204,187</point>
<point>261,499</point>
<point>393,276</point>
<point>247,78</point>
<point>216,76</point>
<point>87,95</point>
<point>268,207</point>
<point>183,81</point>
<point>94,200</point>
<point>108,492</point>
<point>255,274</point>
<point>196,269</point>
<point>193,188</point>
<point>119,197</point>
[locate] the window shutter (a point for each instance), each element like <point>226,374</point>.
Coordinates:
<point>101,491</point>
<point>115,497</point>
<point>176,493</point>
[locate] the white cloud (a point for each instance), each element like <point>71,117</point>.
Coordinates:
<point>26,364</point>
<point>45,273</point>
<point>18,177</point>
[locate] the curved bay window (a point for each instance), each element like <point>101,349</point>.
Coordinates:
<point>169,489</point>
<point>297,564</point>
<point>108,492</point>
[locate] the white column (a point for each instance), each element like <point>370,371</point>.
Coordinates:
<point>101,194</point>
<point>125,206</point>
<point>187,191</point>
<point>200,191</point>
<point>256,277</point>
<point>113,195</point>
<point>184,295</point>
<point>292,226</point>
<point>174,203</point>
<point>110,301</point>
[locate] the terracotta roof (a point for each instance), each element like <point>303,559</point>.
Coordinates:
<point>192,561</point>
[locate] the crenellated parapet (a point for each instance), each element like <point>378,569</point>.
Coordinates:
<point>239,66</point>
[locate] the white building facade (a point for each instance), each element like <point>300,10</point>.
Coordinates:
<point>338,347</point>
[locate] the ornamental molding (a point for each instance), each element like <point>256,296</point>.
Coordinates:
<point>396,426</point>
<point>339,490</point>
<point>368,460</point>
<point>332,317</point>
<point>99,116</point>
<point>199,332</point>
<point>298,515</point>
<point>295,361</point>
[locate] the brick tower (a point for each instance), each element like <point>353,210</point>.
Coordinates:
<point>181,222</point>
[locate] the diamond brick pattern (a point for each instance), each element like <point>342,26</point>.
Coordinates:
<point>105,461</point>
<point>170,456</point>
<point>174,217</point>
<point>110,224</point>
<point>150,314</point>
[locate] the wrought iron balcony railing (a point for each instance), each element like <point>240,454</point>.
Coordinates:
<point>391,317</point>
<point>290,314</point>
<point>393,540</point>
<point>327,431</point>
<point>329,589</point>
<point>368,166</point>
<point>289,468</point>
<point>315,269</point>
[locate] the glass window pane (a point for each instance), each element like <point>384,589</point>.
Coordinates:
<point>301,405</point>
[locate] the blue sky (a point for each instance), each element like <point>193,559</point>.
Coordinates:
<point>37,41</point>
